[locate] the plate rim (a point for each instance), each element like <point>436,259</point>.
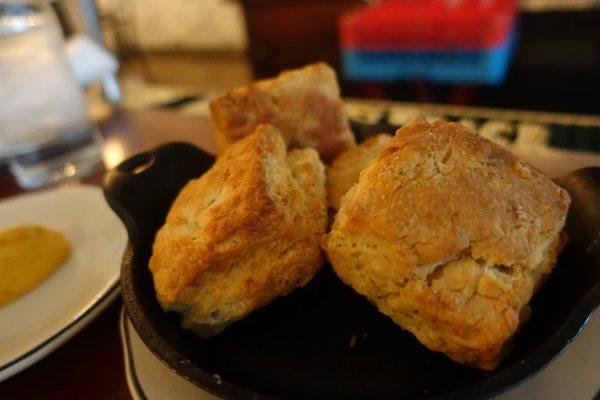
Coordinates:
<point>103,301</point>
<point>133,383</point>
<point>81,319</point>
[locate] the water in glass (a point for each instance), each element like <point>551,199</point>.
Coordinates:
<point>45,132</point>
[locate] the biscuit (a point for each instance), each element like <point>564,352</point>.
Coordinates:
<point>449,235</point>
<point>346,168</point>
<point>245,232</point>
<point>304,104</point>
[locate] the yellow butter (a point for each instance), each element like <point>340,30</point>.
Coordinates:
<point>28,255</point>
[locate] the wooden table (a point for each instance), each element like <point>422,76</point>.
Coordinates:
<point>90,365</point>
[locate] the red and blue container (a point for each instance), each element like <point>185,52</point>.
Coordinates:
<point>468,41</point>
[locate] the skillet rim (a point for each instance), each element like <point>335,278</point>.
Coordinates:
<point>487,388</point>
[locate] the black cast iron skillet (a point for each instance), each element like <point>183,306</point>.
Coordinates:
<point>299,346</point>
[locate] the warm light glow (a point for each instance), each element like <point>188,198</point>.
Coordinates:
<point>114,152</point>
<point>69,170</point>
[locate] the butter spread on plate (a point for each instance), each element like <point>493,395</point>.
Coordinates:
<point>28,255</point>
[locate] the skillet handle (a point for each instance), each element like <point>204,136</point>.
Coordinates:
<point>140,190</point>
<point>583,222</point>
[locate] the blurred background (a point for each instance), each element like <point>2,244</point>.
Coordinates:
<point>527,54</point>
<point>175,53</point>
<point>149,55</point>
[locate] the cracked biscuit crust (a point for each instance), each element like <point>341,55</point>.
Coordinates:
<point>346,168</point>
<point>304,104</point>
<point>449,235</point>
<point>245,232</point>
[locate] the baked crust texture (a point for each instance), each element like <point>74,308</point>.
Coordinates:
<point>346,168</point>
<point>304,104</point>
<point>449,235</point>
<point>245,232</point>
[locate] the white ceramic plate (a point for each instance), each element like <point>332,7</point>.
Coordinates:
<point>44,318</point>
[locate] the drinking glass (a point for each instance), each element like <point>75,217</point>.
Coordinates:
<point>46,135</point>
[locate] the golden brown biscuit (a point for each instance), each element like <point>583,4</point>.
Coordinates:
<point>304,104</point>
<point>346,168</point>
<point>449,234</point>
<point>245,232</point>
